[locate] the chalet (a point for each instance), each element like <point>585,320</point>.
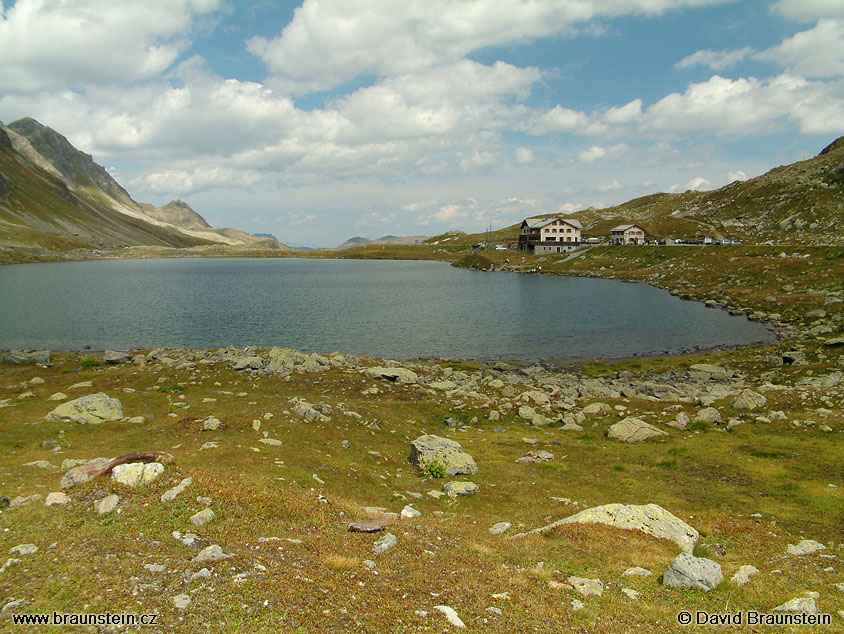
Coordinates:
<point>549,235</point>
<point>627,234</point>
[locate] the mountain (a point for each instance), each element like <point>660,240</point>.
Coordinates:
<point>55,197</point>
<point>799,203</point>
<point>359,241</point>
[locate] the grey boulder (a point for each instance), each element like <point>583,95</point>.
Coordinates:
<point>687,571</point>
<point>431,449</point>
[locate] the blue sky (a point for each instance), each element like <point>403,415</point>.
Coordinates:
<point>316,121</point>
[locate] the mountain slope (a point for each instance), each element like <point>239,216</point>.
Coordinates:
<point>359,241</point>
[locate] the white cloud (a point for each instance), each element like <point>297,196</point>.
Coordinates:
<point>612,186</point>
<point>737,176</point>
<point>558,119</point>
<point>53,44</point>
<point>810,10</point>
<point>419,205</point>
<point>627,113</point>
<point>568,208</point>
<point>818,52</point>
<point>524,156</point>
<point>329,42</point>
<point>596,152</point>
<point>716,60</point>
<point>296,218</point>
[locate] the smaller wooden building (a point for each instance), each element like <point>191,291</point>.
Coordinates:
<point>627,234</point>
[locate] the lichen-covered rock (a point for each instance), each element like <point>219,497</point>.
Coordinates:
<point>137,473</point>
<point>28,356</point>
<point>648,518</point>
<point>633,430</point>
<point>708,415</point>
<point>116,356</point>
<point>743,575</point>
<point>587,587</point>
<point>397,375</point>
<point>687,571</point>
<point>461,488</point>
<point>84,472</point>
<point>748,399</point>
<point>805,605</point>
<point>384,543</point>
<point>708,371</point>
<point>431,449</point>
<point>92,409</point>
<point>806,547</point>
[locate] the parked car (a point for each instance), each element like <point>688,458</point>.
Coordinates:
<point>500,247</point>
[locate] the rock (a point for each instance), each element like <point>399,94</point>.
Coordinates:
<point>834,342</point>
<point>58,396</point>
<point>527,412</point>
<point>137,420</point>
<point>408,513</point>
<point>19,500</point>
<point>368,526</point>
<point>431,449</point>
<point>743,575</point>
<point>171,494</point>
<point>681,421</point>
<point>273,442</point>
<point>461,488</point>
<point>636,572</point>
<point>687,571</point>
<point>633,430</point>
<point>384,543</point>
<point>181,601</point>
<point>748,399</point>
<point>402,376</point>
<point>708,415</point>
<point>450,615</point>
<point>536,456</point>
<point>210,553</point>
<point>41,464</point>
<point>28,356</point>
<point>500,528</point>
<point>587,587</point>
<point>596,409</point>
<point>23,549</point>
<point>209,445</point>
<point>114,357</point>
<point>155,567</point>
<point>137,473</point>
<point>202,573</point>
<point>202,517</point>
<point>81,384</point>
<point>649,518</point>
<point>805,605</point>
<point>577,605</point>
<point>708,371</point>
<point>107,504</point>
<point>631,594</point>
<point>211,424</point>
<point>806,547</point>
<point>84,472</point>
<point>92,409</point>
<point>57,498</point>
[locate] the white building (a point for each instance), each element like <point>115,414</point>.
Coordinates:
<point>627,234</point>
<point>549,235</point>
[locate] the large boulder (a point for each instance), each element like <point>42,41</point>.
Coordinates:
<point>431,449</point>
<point>687,571</point>
<point>708,371</point>
<point>137,473</point>
<point>748,399</point>
<point>84,472</point>
<point>633,430</point>
<point>93,409</point>
<point>396,375</point>
<point>648,518</point>
<point>116,356</point>
<point>28,356</point>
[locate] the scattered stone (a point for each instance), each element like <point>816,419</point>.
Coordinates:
<point>19,500</point>
<point>401,376</point>
<point>41,464</point>
<point>107,504</point>
<point>384,543</point>
<point>210,553</point>
<point>181,601</point>
<point>687,571</point>
<point>536,456</point>
<point>368,526</point>
<point>748,399</point>
<point>209,445</point>
<point>431,449</point>
<point>137,473</point>
<point>500,528</point>
<point>631,594</point>
<point>743,575</point>
<point>597,409</point>
<point>58,396</point>
<point>587,587</point>
<point>636,572</point>
<point>806,547</point>
<point>577,605</point>
<point>649,518</point>
<point>681,421</point>
<point>708,371</point>
<point>155,567</point>
<point>171,494</point>
<point>91,409</point>
<point>708,415</point>
<point>805,605</point>
<point>113,357</point>
<point>460,488</point>
<point>408,512</point>
<point>202,573</point>
<point>450,615</point>
<point>211,424</point>
<point>202,517</point>
<point>273,442</point>
<point>84,472</point>
<point>23,549</point>
<point>81,384</point>
<point>633,430</point>
<point>57,498</point>
<point>28,356</point>
<point>137,420</point>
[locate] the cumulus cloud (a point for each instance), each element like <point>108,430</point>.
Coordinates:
<point>569,207</point>
<point>818,52</point>
<point>597,152</point>
<point>329,42</point>
<point>524,156</point>
<point>737,176</point>
<point>50,44</point>
<point>612,186</point>
<point>810,10</point>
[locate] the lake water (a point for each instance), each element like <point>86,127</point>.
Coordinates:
<point>393,309</point>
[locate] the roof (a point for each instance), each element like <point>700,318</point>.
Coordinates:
<point>625,227</point>
<point>538,223</point>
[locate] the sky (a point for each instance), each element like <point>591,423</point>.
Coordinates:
<point>320,120</point>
